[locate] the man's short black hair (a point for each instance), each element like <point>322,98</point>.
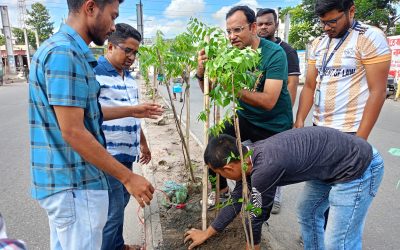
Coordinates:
<point>75,5</point>
<point>249,13</point>
<point>262,12</point>
<point>218,150</point>
<point>122,32</point>
<point>324,6</point>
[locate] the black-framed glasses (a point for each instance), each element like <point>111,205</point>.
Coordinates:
<point>236,31</point>
<point>128,51</point>
<point>331,23</point>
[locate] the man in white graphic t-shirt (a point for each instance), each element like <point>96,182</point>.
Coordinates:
<point>347,73</point>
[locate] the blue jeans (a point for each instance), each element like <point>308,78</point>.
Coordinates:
<point>76,218</point>
<point>118,200</point>
<point>348,203</point>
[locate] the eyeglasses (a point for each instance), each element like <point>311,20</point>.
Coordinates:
<point>128,51</point>
<point>331,23</point>
<point>235,31</point>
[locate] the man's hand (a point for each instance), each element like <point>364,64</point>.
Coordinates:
<point>196,236</point>
<point>201,59</point>
<point>147,110</point>
<point>140,188</point>
<point>298,124</point>
<point>145,154</point>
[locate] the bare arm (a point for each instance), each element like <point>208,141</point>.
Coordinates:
<point>74,132</point>
<point>145,154</point>
<point>307,96</point>
<point>376,77</point>
<point>293,82</point>
<point>266,99</point>
<point>145,110</point>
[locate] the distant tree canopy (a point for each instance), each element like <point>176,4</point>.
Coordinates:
<point>304,22</point>
<point>39,19</point>
<point>20,39</point>
<point>2,40</point>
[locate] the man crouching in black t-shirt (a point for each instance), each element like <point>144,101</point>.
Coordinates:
<point>343,173</point>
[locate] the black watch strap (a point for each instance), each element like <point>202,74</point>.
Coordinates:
<point>198,77</point>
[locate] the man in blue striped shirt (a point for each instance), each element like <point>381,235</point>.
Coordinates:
<point>68,156</point>
<point>125,139</point>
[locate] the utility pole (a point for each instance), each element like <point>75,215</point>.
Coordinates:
<point>22,11</point>
<point>37,38</point>
<point>287,27</point>
<point>139,18</point>
<point>7,34</point>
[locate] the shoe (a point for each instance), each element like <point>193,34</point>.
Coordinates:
<point>181,100</point>
<point>276,208</point>
<point>223,197</point>
<point>132,247</point>
<point>300,241</point>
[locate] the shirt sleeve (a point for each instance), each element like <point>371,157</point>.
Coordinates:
<point>293,63</point>
<point>312,58</point>
<point>227,214</point>
<point>66,81</point>
<point>276,66</point>
<point>373,47</point>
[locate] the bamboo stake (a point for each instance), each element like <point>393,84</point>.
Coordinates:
<point>217,117</point>
<point>187,100</point>
<point>245,190</point>
<point>154,83</point>
<point>206,100</point>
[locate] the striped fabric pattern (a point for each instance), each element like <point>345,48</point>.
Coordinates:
<point>344,88</point>
<point>122,135</point>
<point>62,74</point>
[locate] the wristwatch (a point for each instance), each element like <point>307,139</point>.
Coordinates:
<point>200,78</point>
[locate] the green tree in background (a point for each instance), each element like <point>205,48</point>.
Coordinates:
<point>39,19</point>
<point>305,24</point>
<point>19,37</point>
<point>2,40</point>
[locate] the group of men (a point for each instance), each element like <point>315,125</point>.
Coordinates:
<point>85,128</point>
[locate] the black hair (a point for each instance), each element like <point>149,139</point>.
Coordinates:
<point>218,150</point>
<point>122,32</point>
<point>75,5</point>
<point>262,12</point>
<point>249,13</point>
<point>324,6</point>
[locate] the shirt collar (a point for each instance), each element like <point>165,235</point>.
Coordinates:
<point>109,67</point>
<point>278,40</point>
<point>65,28</point>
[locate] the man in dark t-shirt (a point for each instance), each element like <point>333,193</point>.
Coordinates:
<point>342,171</point>
<point>267,24</point>
<point>267,110</point>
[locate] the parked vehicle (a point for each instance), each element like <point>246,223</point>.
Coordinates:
<point>391,86</point>
<point>1,73</point>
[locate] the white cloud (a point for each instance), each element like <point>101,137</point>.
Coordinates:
<point>170,28</point>
<point>219,16</point>
<point>184,8</point>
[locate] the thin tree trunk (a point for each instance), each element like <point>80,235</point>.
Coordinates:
<point>245,190</point>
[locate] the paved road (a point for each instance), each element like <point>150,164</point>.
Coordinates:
<point>27,221</point>
<point>24,218</point>
<point>383,222</point>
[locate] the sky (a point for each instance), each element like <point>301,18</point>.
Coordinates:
<point>169,16</point>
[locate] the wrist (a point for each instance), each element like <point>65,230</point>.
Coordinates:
<point>199,76</point>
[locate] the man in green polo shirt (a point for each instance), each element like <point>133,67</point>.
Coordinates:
<point>267,110</point>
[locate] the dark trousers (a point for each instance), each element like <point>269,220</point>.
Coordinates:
<point>247,132</point>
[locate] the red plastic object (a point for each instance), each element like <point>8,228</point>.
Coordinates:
<point>181,206</point>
